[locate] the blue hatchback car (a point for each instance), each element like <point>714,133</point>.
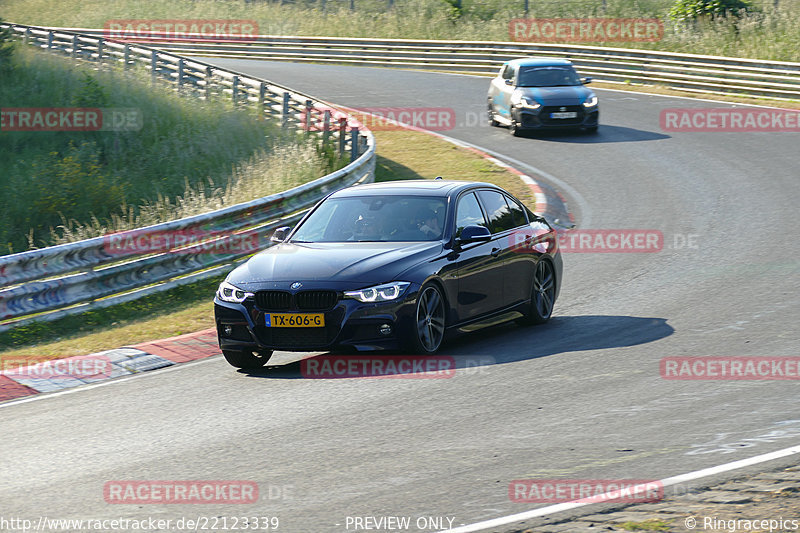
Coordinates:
<point>537,94</point>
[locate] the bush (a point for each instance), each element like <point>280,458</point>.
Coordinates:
<point>689,10</point>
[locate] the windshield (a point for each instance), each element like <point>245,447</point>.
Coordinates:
<point>375,219</point>
<point>548,77</point>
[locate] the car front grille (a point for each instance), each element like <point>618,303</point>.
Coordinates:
<point>302,301</point>
<point>315,300</point>
<point>274,300</point>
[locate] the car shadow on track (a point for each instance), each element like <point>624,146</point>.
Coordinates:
<point>605,134</point>
<point>495,345</point>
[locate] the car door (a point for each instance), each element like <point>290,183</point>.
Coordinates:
<point>504,217</point>
<point>500,91</point>
<point>520,261</point>
<point>478,268</point>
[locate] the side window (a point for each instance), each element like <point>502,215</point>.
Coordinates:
<point>468,213</point>
<point>500,217</point>
<point>517,213</point>
<point>508,72</point>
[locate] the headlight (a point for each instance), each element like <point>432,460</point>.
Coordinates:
<point>523,101</point>
<point>231,293</point>
<point>591,101</point>
<point>379,293</point>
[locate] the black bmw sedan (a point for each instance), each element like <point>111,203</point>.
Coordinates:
<point>394,265</point>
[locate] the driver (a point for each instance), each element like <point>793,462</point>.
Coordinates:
<point>428,223</point>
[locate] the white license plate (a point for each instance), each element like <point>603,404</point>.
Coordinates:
<point>565,114</point>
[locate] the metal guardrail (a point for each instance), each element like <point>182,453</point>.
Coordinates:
<point>61,280</point>
<point>698,73</point>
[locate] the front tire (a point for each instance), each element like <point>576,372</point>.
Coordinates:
<point>513,128</point>
<point>249,359</point>
<point>429,325</point>
<point>543,294</point>
<point>492,122</point>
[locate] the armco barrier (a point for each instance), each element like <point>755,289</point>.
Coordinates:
<point>66,279</point>
<point>698,73</point>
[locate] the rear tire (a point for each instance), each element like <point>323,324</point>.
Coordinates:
<point>249,359</point>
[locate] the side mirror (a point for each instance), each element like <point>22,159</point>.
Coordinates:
<point>509,82</point>
<point>586,80</point>
<point>474,234</point>
<point>280,234</point>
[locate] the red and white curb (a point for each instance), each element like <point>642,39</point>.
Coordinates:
<point>55,375</point>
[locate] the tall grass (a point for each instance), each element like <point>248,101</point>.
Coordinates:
<point>187,150</point>
<point>765,34</point>
<point>263,174</point>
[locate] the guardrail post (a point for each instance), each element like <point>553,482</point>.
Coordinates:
<point>127,55</point>
<point>74,53</point>
<point>309,107</point>
<point>27,38</point>
<point>153,66</point>
<point>285,110</point>
<point>235,89</point>
<point>262,93</point>
<point>50,39</point>
<point>326,127</point>
<point>208,83</point>
<point>342,135</point>
<point>353,144</point>
<point>181,63</point>
<point>100,51</point>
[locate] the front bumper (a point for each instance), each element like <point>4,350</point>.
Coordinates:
<point>541,118</point>
<point>349,323</point>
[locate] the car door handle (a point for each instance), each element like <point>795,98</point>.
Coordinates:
<point>495,252</point>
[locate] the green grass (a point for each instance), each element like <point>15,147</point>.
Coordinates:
<point>767,34</point>
<point>188,150</point>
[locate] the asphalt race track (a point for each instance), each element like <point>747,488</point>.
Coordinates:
<point>579,398</point>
